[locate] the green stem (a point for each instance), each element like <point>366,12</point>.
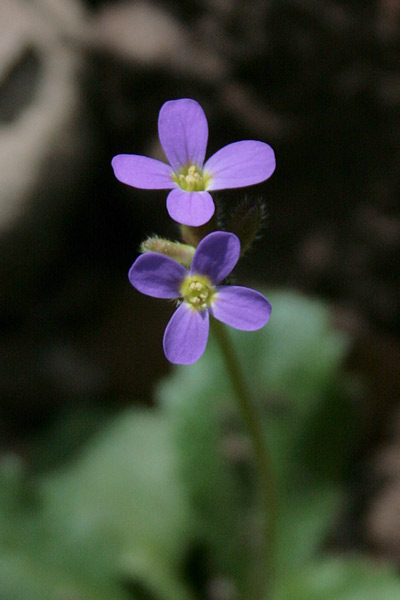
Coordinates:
<point>265,468</point>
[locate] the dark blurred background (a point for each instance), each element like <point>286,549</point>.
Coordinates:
<point>81,81</point>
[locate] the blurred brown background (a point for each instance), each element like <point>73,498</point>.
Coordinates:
<point>81,81</point>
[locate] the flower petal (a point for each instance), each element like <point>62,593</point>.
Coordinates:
<point>186,335</point>
<point>190,208</point>
<point>241,307</point>
<point>183,132</point>
<point>142,172</point>
<point>216,255</point>
<point>157,275</point>
<point>240,164</point>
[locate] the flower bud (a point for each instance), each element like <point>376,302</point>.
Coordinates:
<point>246,220</point>
<point>182,253</point>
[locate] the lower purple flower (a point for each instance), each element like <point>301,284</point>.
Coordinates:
<point>186,334</point>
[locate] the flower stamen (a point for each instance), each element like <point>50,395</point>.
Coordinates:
<point>198,292</point>
<point>191,179</point>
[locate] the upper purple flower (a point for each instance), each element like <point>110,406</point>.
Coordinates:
<point>183,132</point>
<point>186,335</point>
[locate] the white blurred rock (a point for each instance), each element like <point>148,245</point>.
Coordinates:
<point>145,34</point>
<point>38,29</point>
<point>139,31</point>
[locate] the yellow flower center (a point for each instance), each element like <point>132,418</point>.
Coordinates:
<point>198,292</point>
<point>191,179</point>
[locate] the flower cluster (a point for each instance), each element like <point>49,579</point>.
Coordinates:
<point>162,271</point>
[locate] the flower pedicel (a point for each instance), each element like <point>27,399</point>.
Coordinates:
<point>186,335</point>
<point>183,133</point>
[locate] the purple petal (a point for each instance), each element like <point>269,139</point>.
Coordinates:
<point>240,164</point>
<point>142,172</point>
<point>190,208</point>
<point>186,335</point>
<point>157,275</point>
<point>241,308</point>
<point>183,132</point>
<point>216,255</point>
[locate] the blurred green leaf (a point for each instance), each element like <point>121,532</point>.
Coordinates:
<point>64,440</point>
<point>342,579</point>
<point>306,519</point>
<point>116,519</point>
<point>202,441</point>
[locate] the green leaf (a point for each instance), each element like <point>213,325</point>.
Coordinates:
<point>306,518</point>
<point>202,439</point>
<point>116,519</point>
<point>342,579</point>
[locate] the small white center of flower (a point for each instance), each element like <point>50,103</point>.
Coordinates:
<point>198,291</point>
<point>191,179</point>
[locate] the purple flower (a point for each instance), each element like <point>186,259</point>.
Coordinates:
<point>183,132</point>
<point>186,335</point>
